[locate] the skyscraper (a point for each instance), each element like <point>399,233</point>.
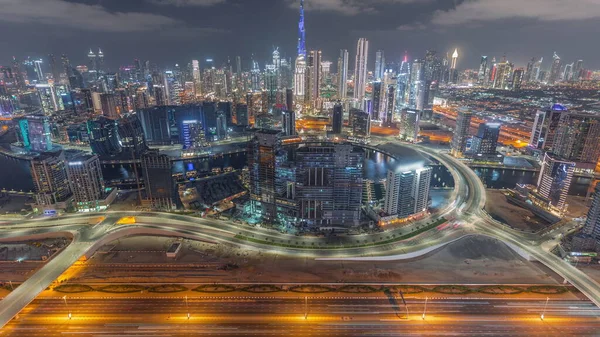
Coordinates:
<point>288,123</point>
<point>407,191</point>
<point>555,180</point>
<point>545,124</point>
<point>300,65</point>
<point>50,179</point>
<point>54,68</point>
<point>378,100</point>
<point>517,79</point>
<point>555,69</point>
<point>402,83</point>
<point>196,77</point>
<point>338,118</point>
<point>343,74</point>
<point>461,133</point>
<point>409,125</point>
<point>158,179</point>
<point>34,133</point>
<point>109,105</point>
<point>92,65</point>
<point>592,221</point>
<point>577,69</point>
<point>379,65</point>
<point>453,71</point>
<point>416,94</point>
<point>262,164</point>
<point>483,69</point>
<point>360,69</point>
<point>578,138</point>
<point>86,181</point>
<point>486,140</point>
<point>361,123</point>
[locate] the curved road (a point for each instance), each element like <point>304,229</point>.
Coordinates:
<point>468,206</point>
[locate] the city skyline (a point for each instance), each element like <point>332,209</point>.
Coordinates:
<point>172,25</point>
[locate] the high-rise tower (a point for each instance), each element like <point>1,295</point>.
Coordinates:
<point>360,69</point>
<point>343,74</point>
<point>301,32</point>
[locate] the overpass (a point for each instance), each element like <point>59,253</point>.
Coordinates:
<point>469,199</point>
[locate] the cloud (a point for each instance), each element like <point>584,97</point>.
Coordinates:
<point>349,7</point>
<point>80,16</point>
<point>542,10</point>
<point>187,3</point>
<point>412,27</point>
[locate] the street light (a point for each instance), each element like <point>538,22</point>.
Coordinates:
<point>187,307</point>
<point>425,308</point>
<point>545,306</point>
<point>67,306</point>
<point>305,307</point>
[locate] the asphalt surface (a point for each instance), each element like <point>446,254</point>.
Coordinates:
<point>382,315</point>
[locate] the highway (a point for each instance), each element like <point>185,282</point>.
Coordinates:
<point>468,206</point>
<point>379,315</point>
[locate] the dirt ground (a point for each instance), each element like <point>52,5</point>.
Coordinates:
<point>500,209</point>
<point>474,260</point>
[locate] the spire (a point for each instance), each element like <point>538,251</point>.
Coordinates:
<point>301,32</point>
<point>455,54</point>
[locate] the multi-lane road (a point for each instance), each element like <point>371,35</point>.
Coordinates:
<point>380,315</point>
<point>468,205</point>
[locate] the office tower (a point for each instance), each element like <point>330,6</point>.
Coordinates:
<point>329,184</point>
<point>109,106</point>
<point>453,72</point>
<point>390,104</point>
<point>38,70</point>
<point>544,128</point>
<point>289,99</point>
<point>50,179</point>
<point>536,76</point>
<point>53,68</point>
<point>555,69</point>
<point>567,74</point>
<point>347,185</point>
<point>403,83</point>
<point>378,100</point>
<point>461,133</point>
<point>342,72</point>
<point>86,181</point>
<point>49,97</point>
<point>92,65</point>
<point>263,151</point>
<point>577,70</point>
<point>578,138</point>
<point>238,65</point>
<point>337,118</point>
<point>100,62</point>
<point>416,95</point>
<point>314,64</point>
<point>592,221</point>
<point>288,123</point>
<point>271,84</point>
<point>196,77</point>
<point>483,71</point>
<point>16,69</point>
<point>486,140</point>
<point>555,180</point>
<point>360,69</point>
<point>242,117</point>
<point>34,133</point>
<point>361,123</point>
<point>517,79</point>
<point>407,191</point>
<point>221,130</point>
<point>529,71</point>
<point>301,32</point>
<point>156,169</point>
<point>379,65</point>
<point>191,135</point>
<point>501,75</point>
<point>155,122</point>
<point>117,138</point>
<point>409,125</point>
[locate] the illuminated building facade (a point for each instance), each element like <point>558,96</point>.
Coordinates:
<point>555,180</point>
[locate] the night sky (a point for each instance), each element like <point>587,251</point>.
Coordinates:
<point>176,31</point>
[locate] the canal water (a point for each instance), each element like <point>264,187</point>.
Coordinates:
<point>16,173</point>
